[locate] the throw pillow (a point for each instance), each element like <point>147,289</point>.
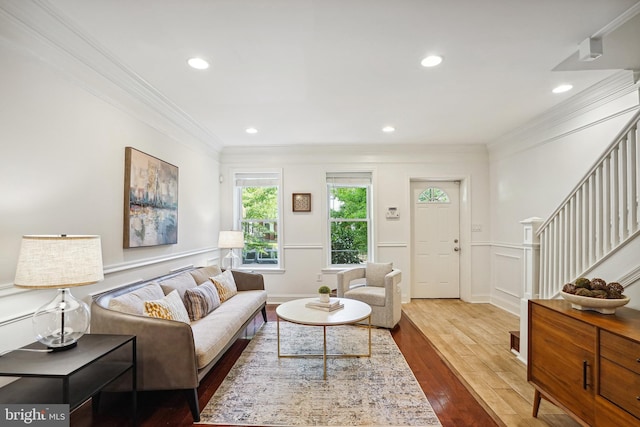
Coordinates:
<point>180,282</point>
<point>133,302</point>
<point>201,300</point>
<point>225,284</point>
<point>170,307</point>
<point>202,274</point>
<point>376,271</point>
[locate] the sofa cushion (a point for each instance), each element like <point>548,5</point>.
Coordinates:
<point>376,272</point>
<point>133,302</point>
<point>202,274</point>
<point>201,300</point>
<point>372,295</point>
<point>226,285</point>
<point>170,307</point>
<point>180,283</point>
<point>213,332</point>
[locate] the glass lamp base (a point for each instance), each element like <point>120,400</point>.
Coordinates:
<point>230,261</point>
<point>61,322</point>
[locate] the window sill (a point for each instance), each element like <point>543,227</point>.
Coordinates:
<point>262,270</point>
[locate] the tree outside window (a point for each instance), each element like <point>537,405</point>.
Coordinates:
<point>349,219</point>
<point>258,218</point>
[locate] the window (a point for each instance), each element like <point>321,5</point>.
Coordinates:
<point>257,212</point>
<point>433,195</point>
<point>349,213</point>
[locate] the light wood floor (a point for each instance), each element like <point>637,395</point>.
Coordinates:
<point>474,341</point>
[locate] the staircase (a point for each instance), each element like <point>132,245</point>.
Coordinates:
<point>598,218</point>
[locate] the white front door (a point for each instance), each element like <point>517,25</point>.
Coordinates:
<point>436,239</point>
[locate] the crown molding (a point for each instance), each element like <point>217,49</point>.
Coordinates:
<point>54,39</point>
<point>531,134</point>
<point>618,22</point>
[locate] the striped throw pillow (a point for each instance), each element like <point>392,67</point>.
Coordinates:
<point>201,300</point>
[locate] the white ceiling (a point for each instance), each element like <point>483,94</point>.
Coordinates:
<point>337,71</point>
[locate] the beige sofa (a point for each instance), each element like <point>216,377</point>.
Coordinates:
<point>171,354</point>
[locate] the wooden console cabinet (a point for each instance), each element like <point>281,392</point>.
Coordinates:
<point>586,363</point>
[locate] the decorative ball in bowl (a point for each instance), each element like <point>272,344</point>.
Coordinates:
<point>595,295</point>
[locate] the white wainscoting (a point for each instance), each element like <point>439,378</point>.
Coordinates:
<point>507,281</point>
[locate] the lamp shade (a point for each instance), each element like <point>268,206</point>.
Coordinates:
<point>59,261</point>
<point>231,240</point>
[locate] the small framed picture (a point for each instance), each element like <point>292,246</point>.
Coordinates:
<point>301,202</point>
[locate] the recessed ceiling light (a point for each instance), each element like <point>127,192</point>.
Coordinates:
<point>198,63</point>
<point>388,129</point>
<point>562,88</point>
<point>431,61</point>
<point>251,130</point>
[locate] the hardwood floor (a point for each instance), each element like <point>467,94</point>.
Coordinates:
<point>474,341</point>
<point>452,402</point>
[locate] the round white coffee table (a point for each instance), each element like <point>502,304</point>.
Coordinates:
<point>296,311</point>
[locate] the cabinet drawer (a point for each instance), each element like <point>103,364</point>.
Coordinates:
<point>623,351</point>
<point>620,386</point>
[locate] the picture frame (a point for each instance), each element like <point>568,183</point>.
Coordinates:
<point>301,202</point>
<point>150,201</point>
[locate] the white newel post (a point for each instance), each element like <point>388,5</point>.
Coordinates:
<point>531,273</point>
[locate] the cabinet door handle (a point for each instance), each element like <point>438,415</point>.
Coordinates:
<point>638,360</point>
<point>584,374</point>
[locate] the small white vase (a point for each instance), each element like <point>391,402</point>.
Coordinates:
<point>324,297</point>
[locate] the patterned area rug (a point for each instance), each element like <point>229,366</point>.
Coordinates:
<point>265,390</point>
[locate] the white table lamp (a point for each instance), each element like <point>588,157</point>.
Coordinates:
<point>231,240</point>
<point>60,262</point>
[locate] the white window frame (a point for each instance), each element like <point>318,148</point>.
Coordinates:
<point>349,179</point>
<point>259,178</point>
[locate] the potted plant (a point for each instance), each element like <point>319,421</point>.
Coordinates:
<point>323,293</point>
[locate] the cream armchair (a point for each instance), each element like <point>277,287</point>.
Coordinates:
<point>377,285</point>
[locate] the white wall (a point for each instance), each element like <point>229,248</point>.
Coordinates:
<point>62,171</point>
<point>533,170</point>
<point>305,234</point>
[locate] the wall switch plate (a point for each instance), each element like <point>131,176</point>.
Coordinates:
<point>319,277</point>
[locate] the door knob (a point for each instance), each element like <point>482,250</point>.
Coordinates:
<point>455,240</point>
<point>456,249</point>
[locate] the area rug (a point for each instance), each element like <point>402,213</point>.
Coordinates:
<point>262,389</point>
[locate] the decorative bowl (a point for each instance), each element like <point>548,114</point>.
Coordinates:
<point>603,306</point>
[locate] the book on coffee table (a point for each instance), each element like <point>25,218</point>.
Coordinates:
<point>333,307</point>
<point>333,302</point>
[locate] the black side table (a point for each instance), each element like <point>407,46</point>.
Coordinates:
<point>72,376</point>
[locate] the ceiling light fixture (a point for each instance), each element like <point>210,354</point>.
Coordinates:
<point>431,61</point>
<point>388,129</point>
<point>562,88</point>
<point>251,131</point>
<point>198,63</point>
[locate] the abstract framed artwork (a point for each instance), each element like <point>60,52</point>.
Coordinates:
<point>150,201</point>
<point>301,202</point>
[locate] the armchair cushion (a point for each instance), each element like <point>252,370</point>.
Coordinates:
<point>371,295</point>
<point>375,273</point>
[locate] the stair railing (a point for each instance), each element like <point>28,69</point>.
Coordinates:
<point>599,216</point>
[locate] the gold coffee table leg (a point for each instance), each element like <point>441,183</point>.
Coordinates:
<point>278,326</point>
<point>324,351</point>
